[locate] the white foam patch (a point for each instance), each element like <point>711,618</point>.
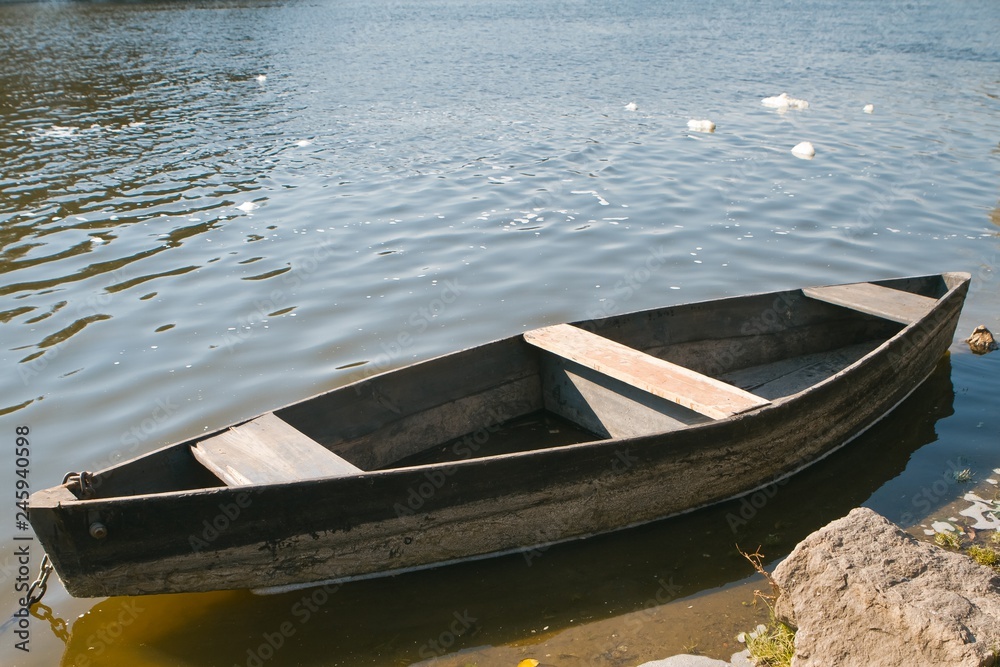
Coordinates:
<point>783,101</point>
<point>804,150</point>
<point>942,527</point>
<point>985,514</point>
<point>58,132</point>
<point>600,200</point>
<point>696,125</point>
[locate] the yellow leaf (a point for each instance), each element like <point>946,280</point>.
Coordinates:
<point>528,662</point>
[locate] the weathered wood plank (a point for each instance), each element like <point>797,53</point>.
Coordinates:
<point>414,432</point>
<point>339,418</point>
<point>885,302</point>
<point>267,450</point>
<point>790,376</point>
<point>692,390</point>
<point>606,406</point>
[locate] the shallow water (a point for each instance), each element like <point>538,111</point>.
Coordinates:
<point>184,244</point>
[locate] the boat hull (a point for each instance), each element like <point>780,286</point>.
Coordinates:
<point>401,519</point>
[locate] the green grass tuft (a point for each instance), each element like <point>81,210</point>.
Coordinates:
<point>771,645</point>
<point>984,555</point>
<point>947,540</point>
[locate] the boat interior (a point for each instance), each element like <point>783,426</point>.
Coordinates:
<point>621,376</point>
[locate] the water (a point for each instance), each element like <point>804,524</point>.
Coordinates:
<point>208,209</point>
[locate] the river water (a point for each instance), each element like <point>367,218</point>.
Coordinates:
<point>208,209</point>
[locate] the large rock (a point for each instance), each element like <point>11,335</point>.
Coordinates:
<point>981,341</point>
<point>863,592</point>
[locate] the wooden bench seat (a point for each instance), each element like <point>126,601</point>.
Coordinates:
<point>267,450</point>
<point>885,302</point>
<point>680,385</point>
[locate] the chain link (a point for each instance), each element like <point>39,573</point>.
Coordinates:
<point>59,626</point>
<point>37,589</point>
<point>84,479</point>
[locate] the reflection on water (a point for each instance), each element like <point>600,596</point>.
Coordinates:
<point>541,593</point>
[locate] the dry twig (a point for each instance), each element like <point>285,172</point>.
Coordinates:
<point>757,561</point>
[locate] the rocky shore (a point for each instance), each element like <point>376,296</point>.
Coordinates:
<point>860,591</point>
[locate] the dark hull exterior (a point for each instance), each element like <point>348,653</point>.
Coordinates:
<point>394,519</point>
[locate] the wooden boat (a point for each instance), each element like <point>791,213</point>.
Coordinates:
<point>560,433</point>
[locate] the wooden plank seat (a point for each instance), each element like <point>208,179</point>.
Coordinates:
<point>885,302</point>
<point>268,450</point>
<point>680,385</point>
